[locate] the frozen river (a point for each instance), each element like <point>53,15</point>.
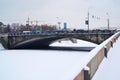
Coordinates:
<point>42,64</point>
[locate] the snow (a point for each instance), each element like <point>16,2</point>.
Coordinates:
<point>37,65</point>
<point>110,67</point>
<point>87,68</point>
<point>68,43</point>
<point>41,64</point>
<point>1,47</point>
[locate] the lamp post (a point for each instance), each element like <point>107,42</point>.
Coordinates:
<point>59,23</point>
<point>108,21</point>
<point>87,23</point>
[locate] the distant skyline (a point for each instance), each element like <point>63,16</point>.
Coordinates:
<point>74,12</point>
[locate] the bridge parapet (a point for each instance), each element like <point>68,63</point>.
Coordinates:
<point>95,57</point>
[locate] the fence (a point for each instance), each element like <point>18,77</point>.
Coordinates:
<point>92,61</point>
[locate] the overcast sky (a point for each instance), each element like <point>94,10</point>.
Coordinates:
<point>74,12</point>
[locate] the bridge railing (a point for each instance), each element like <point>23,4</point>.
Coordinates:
<point>90,64</point>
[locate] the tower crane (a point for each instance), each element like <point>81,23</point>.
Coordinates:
<point>34,21</point>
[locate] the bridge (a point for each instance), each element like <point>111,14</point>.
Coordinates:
<point>43,40</point>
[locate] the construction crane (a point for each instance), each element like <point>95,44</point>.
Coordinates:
<point>28,22</point>
<point>34,21</point>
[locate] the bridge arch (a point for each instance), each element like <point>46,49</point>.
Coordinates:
<point>41,43</point>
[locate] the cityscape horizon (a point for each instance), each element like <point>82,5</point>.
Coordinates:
<point>74,12</point>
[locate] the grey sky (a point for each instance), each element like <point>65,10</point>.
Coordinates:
<point>74,12</point>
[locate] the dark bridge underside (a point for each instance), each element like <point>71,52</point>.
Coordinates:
<point>37,44</point>
<point>44,44</point>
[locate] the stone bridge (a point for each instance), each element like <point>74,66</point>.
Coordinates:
<point>42,40</point>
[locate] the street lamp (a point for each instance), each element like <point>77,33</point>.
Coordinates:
<point>59,23</point>
<point>87,23</point>
<point>108,21</point>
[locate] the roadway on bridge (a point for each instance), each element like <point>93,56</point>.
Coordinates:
<point>110,67</point>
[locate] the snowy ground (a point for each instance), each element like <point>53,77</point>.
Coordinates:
<point>41,64</point>
<point>38,65</point>
<point>79,43</point>
<point>1,47</point>
<point>110,67</point>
